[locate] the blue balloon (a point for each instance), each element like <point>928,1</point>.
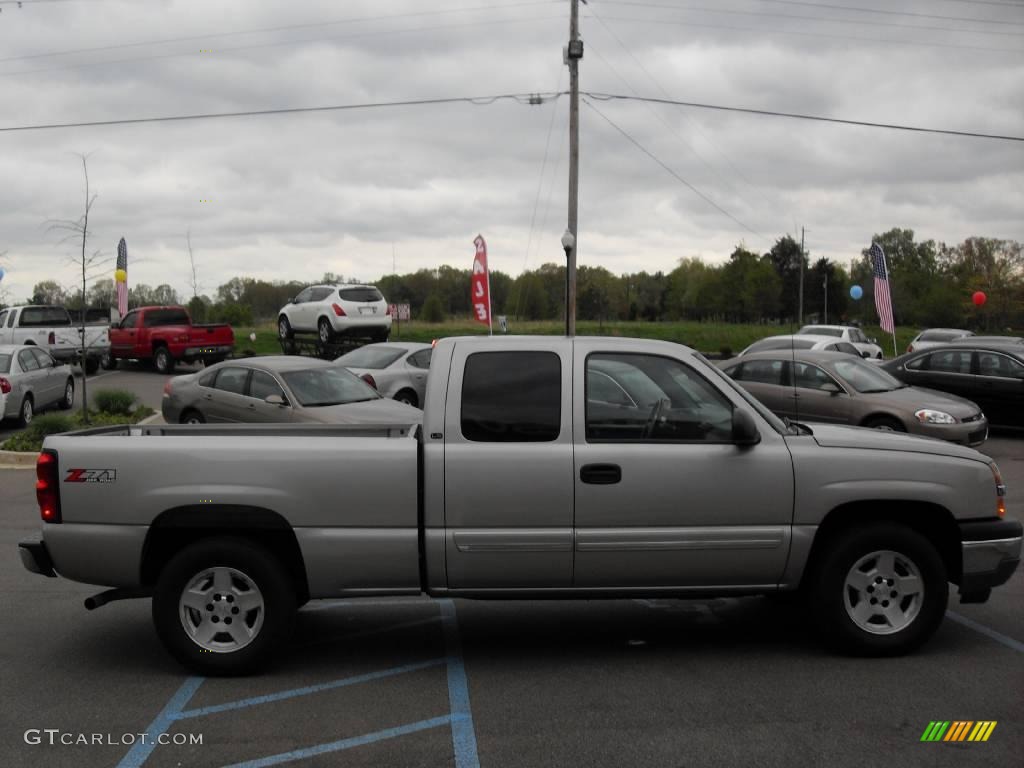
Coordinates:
<point>2,273</point>
<point>856,292</point>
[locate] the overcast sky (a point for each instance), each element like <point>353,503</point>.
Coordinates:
<point>293,196</point>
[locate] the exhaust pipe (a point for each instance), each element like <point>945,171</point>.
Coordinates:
<point>110,595</point>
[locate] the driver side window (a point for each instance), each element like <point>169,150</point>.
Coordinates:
<point>648,398</point>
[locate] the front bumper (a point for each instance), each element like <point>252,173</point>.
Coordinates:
<point>35,557</point>
<point>971,434</point>
<point>990,553</point>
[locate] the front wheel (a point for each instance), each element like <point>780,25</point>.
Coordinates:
<point>879,591</point>
<point>284,328</point>
<point>224,606</point>
<point>69,395</point>
<point>108,362</point>
<point>92,365</point>
<point>885,424</point>
<point>163,360</point>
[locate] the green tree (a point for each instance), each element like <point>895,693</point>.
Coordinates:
<point>49,292</point>
<point>433,309</point>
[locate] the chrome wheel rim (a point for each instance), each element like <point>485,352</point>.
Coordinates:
<point>221,610</point>
<point>282,328</point>
<point>27,412</point>
<point>883,592</point>
<point>69,394</point>
<point>325,334</point>
<point>884,428</point>
<point>193,420</point>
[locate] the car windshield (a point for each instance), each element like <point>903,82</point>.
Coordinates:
<point>5,363</point>
<point>371,357</point>
<point>780,343</point>
<point>942,335</point>
<point>318,387</point>
<point>865,377</point>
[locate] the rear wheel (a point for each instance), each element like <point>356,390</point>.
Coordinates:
<point>224,606</point>
<point>192,417</point>
<point>163,360</point>
<point>92,364</point>
<point>879,591</point>
<point>408,397</point>
<point>27,412</point>
<point>886,424</point>
<point>108,362</point>
<point>323,327</point>
<point>69,395</point>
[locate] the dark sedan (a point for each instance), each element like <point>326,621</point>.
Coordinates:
<point>989,373</point>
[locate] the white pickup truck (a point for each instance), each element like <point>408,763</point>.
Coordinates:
<point>544,467</point>
<point>50,327</point>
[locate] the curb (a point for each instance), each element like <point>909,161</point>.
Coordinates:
<point>27,459</point>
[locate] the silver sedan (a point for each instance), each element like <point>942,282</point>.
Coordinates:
<point>396,369</point>
<point>31,380</point>
<point>280,388</point>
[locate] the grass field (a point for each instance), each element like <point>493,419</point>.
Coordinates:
<point>709,338</point>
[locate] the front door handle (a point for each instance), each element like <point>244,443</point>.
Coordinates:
<point>601,474</point>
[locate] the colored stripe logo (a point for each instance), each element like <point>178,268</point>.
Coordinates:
<point>958,730</point>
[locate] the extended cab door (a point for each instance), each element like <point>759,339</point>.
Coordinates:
<point>508,472</point>
<point>664,498</point>
<point>122,338</point>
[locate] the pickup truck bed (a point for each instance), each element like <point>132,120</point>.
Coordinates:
<point>544,467</point>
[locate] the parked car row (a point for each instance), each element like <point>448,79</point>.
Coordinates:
<point>51,328</point>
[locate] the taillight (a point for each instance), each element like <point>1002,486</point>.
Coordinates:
<point>910,348</point>
<point>47,487</point>
<point>1000,490</point>
<point>52,338</point>
<point>369,380</point>
<point>338,310</point>
<point>167,387</point>
<point>387,312</point>
<point>5,385</point>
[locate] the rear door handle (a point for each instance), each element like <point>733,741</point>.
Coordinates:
<point>601,474</point>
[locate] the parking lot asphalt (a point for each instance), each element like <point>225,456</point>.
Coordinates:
<point>415,682</point>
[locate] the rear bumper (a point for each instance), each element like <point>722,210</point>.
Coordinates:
<point>199,353</point>
<point>990,553</point>
<point>35,557</point>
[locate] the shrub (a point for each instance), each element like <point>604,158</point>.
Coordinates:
<point>50,424</point>
<point>116,401</point>
<point>433,310</point>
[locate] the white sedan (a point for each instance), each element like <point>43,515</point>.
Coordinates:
<point>868,348</point>
<point>396,369</point>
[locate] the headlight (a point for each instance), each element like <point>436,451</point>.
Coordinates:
<point>928,416</point>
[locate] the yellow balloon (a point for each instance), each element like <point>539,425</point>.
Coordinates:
<point>120,275</point>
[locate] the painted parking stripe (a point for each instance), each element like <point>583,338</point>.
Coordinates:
<point>999,637</point>
<point>282,695</point>
<point>463,733</point>
<point>337,746</point>
<point>142,749</point>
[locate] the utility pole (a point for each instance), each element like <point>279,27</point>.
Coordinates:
<point>800,311</point>
<point>824,287</point>
<point>573,54</point>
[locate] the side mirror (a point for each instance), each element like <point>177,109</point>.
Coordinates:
<point>274,400</point>
<point>744,430</point>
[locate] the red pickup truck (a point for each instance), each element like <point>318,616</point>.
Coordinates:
<point>166,335</point>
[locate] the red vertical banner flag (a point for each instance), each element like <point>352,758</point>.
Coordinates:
<point>480,290</point>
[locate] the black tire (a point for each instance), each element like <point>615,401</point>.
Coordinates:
<point>261,570</point>
<point>92,364</point>
<point>26,412</point>
<point>191,416</point>
<point>324,331</point>
<point>885,423</point>
<point>829,594</point>
<point>69,395</point>
<point>408,397</point>
<point>163,361</point>
<point>284,328</point>
<point>108,362</point>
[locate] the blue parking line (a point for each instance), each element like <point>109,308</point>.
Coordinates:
<point>336,746</point>
<point>999,637</point>
<point>142,749</point>
<point>463,733</point>
<point>271,697</point>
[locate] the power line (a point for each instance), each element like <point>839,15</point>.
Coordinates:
<point>522,98</point>
<point>879,11</point>
<point>798,116</point>
<point>802,17</point>
<point>318,24</point>
<point>675,175</point>
<point>762,31</point>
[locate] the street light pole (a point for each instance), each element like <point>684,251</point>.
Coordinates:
<point>569,246</point>
<point>573,54</point>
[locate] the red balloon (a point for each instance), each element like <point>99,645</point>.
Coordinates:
<point>979,298</point>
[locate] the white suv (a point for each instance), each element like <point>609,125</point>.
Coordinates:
<point>336,310</point>
<point>867,347</point>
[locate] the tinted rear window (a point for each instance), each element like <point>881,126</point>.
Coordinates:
<point>940,335</point>
<point>512,397</point>
<point>158,317</point>
<point>371,357</point>
<point>5,363</point>
<point>360,294</point>
<point>44,317</point>
<point>819,331</point>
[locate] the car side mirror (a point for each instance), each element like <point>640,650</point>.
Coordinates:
<point>274,400</point>
<point>744,430</point>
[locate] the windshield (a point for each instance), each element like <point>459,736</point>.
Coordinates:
<point>942,335</point>
<point>765,345</point>
<point>777,424</point>
<point>318,387</point>
<point>865,377</point>
<point>371,357</point>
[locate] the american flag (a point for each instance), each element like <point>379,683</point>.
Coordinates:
<point>883,299</point>
<point>122,285</point>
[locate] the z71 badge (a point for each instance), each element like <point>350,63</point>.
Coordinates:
<point>91,476</point>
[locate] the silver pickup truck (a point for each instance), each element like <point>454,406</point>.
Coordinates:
<point>544,467</point>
